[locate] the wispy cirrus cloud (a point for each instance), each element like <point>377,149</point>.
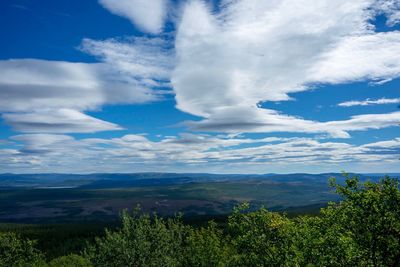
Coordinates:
<point>369,102</point>
<point>147,61</point>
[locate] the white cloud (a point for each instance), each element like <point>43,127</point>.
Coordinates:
<point>148,15</point>
<point>390,8</point>
<point>255,51</point>
<point>27,84</point>
<point>50,96</point>
<point>57,121</point>
<point>266,120</point>
<point>148,61</point>
<point>365,122</point>
<point>42,143</point>
<point>369,102</point>
<point>224,65</point>
<point>60,153</point>
<point>372,56</point>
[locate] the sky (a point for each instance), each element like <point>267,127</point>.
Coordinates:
<point>227,86</point>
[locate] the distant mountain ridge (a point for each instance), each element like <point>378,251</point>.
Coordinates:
<point>110,180</point>
<point>55,198</point>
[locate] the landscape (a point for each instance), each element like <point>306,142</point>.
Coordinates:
<point>199,220</point>
<point>200,133</point>
<point>60,198</point>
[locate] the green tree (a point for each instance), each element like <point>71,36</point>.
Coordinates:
<point>206,247</point>
<point>369,214</point>
<point>19,252</point>
<point>262,238</point>
<point>321,241</point>
<point>141,241</point>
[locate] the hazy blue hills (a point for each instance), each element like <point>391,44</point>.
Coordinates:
<point>105,180</point>
<point>101,197</point>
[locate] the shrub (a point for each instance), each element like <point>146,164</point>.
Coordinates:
<point>71,260</point>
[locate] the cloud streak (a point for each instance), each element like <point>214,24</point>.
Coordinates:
<point>57,121</point>
<point>369,102</point>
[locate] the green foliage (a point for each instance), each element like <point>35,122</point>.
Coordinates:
<point>57,240</point>
<point>207,247</point>
<point>370,215</point>
<point>262,238</point>
<point>18,252</point>
<point>320,241</point>
<point>141,241</point>
<point>363,229</point>
<point>71,260</point>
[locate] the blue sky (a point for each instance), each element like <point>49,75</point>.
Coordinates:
<point>199,86</point>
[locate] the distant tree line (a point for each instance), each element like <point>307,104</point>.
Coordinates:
<point>361,230</point>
